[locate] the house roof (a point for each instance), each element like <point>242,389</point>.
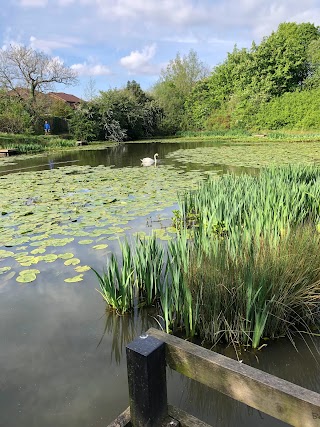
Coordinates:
<point>72,99</point>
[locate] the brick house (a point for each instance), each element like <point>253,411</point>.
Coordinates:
<point>72,100</point>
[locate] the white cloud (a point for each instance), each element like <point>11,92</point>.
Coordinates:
<point>139,62</point>
<point>202,19</point>
<point>181,39</point>
<point>34,3</point>
<point>177,11</point>
<point>48,46</point>
<point>89,69</point>
<point>65,2</point>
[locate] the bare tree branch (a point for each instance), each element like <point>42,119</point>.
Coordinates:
<point>23,67</point>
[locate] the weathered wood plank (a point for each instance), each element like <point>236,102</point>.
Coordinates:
<point>146,365</point>
<point>177,418</point>
<point>4,152</point>
<point>123,420</point>
<point>185,419</point>
<point>276,397</point>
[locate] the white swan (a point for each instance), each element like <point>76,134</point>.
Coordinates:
<point>147,161</point>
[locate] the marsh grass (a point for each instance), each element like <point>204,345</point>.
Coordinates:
<point>136,280</point>
<point>245,263</point>
<point>215,133</point>
<point>27,144</point>
<point>245,135</point>
<point>264,291</point>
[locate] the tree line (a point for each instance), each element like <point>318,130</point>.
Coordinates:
<point>273,85</point>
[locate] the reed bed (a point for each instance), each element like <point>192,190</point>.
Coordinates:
<point>35,144</point>
<point>245,263</point>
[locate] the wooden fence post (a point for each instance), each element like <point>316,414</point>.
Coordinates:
<point>146,366</point>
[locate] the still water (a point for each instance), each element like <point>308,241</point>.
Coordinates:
<point>62,358</point>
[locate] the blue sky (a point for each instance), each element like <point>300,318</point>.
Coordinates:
<point>109,42</point>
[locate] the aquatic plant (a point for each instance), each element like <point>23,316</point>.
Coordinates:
<point>254,154</point>
<point>117,283</point>
<point>265,291</point>
<point>148,261</point>
<point>236,272</point>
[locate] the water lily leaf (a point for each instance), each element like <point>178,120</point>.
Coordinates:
<point>171,230</point>
<point>26,278</point>
<point>82,268</point>
<point>102,246</point>
<point>48,257</point>
<point>4,269</point>
<point>27,260</point>
<point>165,237</point>
<point>5,254</point>
<point>74,279</point>
<point>67,255</point>
<point>85,242</point>
<point>30,271</point>
<point>39,250</point>
<point>72,261</point>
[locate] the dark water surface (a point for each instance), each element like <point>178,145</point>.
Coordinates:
<point>62,358</point>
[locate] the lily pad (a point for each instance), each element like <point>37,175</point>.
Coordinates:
<point>5,254</point>
<point>30,271</point>
<point>82,268</point>
<point>85,242</point>
<point>72,261</point>
<point>74,279</point>
<point>102,246</point>
<point>48,257</point>
<point>67,255</point>
<point>26,278</point>
<point>4,269</point>
<point>38,251</point>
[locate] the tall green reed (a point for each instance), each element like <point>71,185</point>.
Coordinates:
<point>244,264</point>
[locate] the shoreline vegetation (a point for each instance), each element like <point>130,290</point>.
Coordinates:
<point>34,144</point>
<point>235,272</point>
<point>37,144</point>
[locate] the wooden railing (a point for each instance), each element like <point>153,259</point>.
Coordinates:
<point>148,355</point>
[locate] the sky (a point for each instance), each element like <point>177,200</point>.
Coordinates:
<point>108,42</point>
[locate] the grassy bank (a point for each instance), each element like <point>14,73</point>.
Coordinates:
<point>28,144</point>
<point>244,265</point>
<point>244,135</point>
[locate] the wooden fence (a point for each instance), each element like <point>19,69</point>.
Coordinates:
<point>148,356</point>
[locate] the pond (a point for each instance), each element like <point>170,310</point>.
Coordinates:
<point>62,354</point>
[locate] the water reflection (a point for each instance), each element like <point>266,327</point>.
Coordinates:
<point>124,329</point>
<point>280,358</point>
<point>62,356</point>
<point>119,155</point>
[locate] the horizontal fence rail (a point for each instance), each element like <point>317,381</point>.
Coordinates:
<point>272,395</point>
<point>147,357</point>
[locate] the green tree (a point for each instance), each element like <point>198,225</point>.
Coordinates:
<point>174,86</point>
<point>286,61</point>
<point>58,108</point>
<point>130,111</point>
<point>313,79</point>
<point>27,74</point>
<point>282,58</point>
<point>13,117</point>
<point>117,115</point>
<point>85,122</point>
